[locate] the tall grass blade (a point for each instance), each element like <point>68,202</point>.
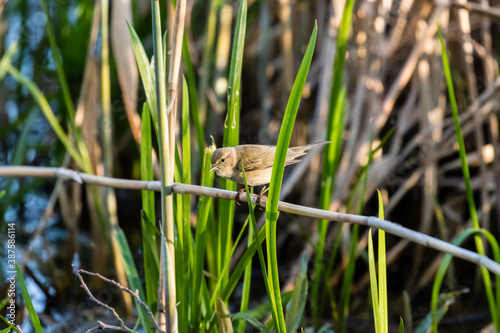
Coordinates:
<point>468,188</point>
<point>207,57</point>
<point>167,311</point>
<point>148,216</point>
<point>200,241</point>
<point>65,90</point>
<point>245,292</point>
<point>242,264</point>
<point>193,98</point>
<point>335,129</point>
<point>254,231</point>
<point>59,67</point>
<point>151,261</point>
<point>185,264</point>
<point>181,264</point>
<point>186,171</point>
<point>146,73</point>
<point>47,111</point>
<point>345,293</point>
<point>360,187</point>
<point>231,133</point>
<point>373,282</point>
<point>382,273</point>
<point>330,165</point>
<point>247,277</point>
<point>277,178</point>
<point>18,158</point>
<point>225,270</point>
<point>296,306</point>
<point>35,321</point>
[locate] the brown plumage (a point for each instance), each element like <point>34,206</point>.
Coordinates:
<point>256,159</point>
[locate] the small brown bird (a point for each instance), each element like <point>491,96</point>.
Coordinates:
<point>257,161</point>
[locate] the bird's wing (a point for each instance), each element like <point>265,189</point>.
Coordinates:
<point>256,157</point>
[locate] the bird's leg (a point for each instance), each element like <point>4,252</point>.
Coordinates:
<point>238,195</point>
<point>261,195</point>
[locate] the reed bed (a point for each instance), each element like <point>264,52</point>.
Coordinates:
<point>407,92</point>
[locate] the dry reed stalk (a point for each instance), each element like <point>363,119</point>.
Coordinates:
<point>86,117</point>
<point>371,221</point>
<point>285,15</point>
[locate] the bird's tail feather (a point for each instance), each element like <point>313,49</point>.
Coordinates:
<point>295,153</point>
<point>308,147</point>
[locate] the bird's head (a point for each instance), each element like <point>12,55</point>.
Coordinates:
<point>224,161</point>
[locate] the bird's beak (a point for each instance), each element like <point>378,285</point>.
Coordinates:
<point>211,169</point>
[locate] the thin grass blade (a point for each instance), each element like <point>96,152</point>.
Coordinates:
<point>147,75</point>
<point>231,133</point>
<point>373,283</point>
<point>382,271</point>
<point>204,206</point>
<point>193,97</point>
<point>335,129</point>
<point>47,111</point>
<point>35,321</point>
<point>148,216</point>
<point>468,188</point>
<point>262,262</point>
<point>296,306</point>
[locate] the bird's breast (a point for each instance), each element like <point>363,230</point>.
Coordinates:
<point>254,177</point>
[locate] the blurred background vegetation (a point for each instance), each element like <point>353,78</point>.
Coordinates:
<point>396,96</point>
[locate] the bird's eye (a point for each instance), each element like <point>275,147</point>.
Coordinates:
<point>222,160</point>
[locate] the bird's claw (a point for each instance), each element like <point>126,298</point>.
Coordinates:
<point>257,202</point>
<point>261,195</point>
<point>237,198</point>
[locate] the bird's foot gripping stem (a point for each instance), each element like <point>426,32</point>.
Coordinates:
<point>237,198</point>
<point>261,195</point>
